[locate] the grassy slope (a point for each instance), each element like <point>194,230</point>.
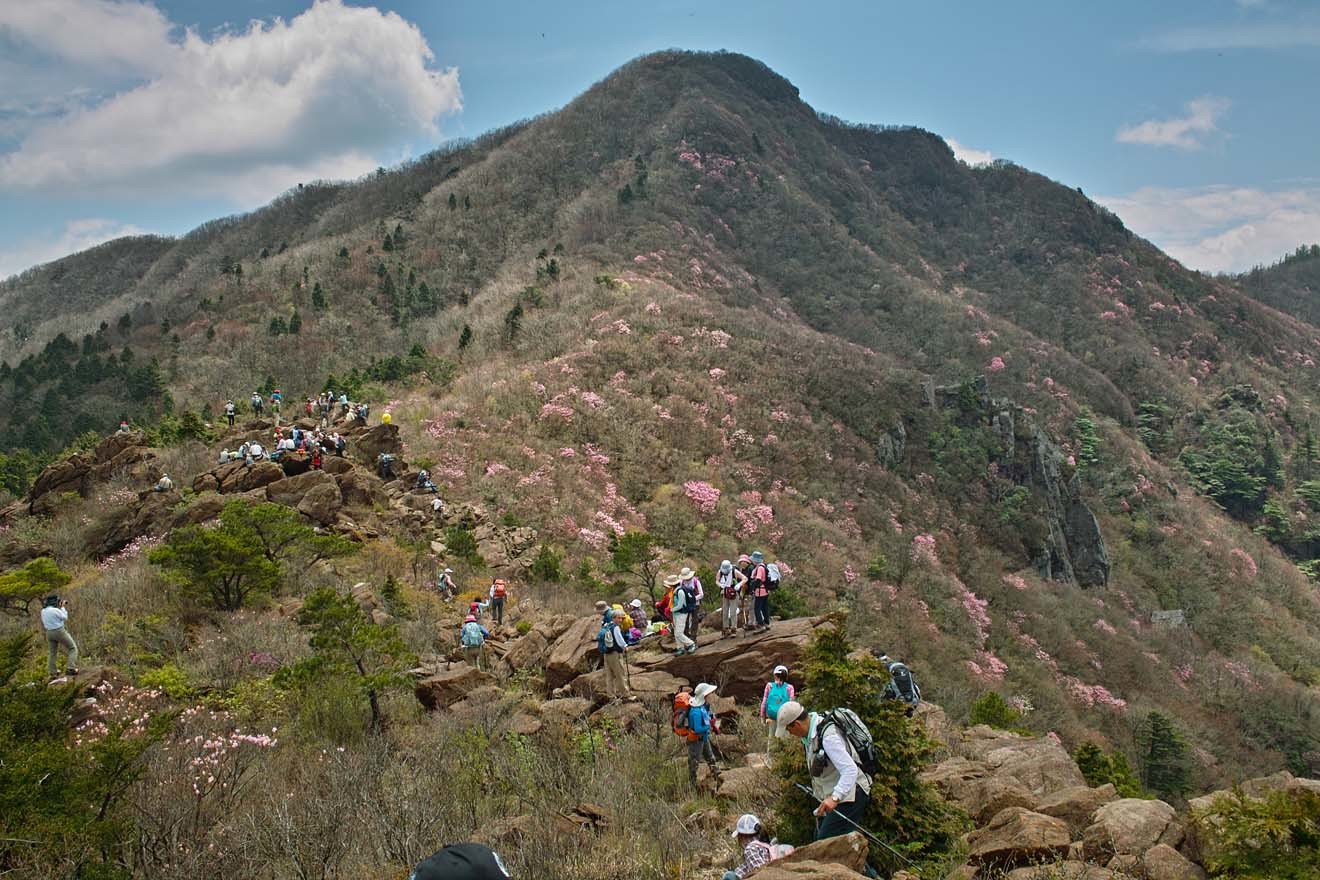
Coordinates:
<point>845,264</point>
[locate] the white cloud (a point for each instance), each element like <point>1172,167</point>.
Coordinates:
<point>969,155</point>
<point>1185,132</point>
<point>242,114</point>
<point>1258,35</point>
<point>77,235</point>
<point>1222,228</point>
<point>95,33</point>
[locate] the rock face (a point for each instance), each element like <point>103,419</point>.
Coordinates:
<point>1074,549</point>
<point>290,490</point>
<point>360,489</point>
<point>1039,763</point>
<point>572,653</point>
<point>124,454</point>
<point>1160,862</point>
<point>153,512</point>
<point>743,665</point>
<point>1017,836</point>
<point>1130,826</point>
<point>375,440</point>
<point>439,688</point>
<point>321,503</point>
<point>1076,805</point>
<point>845,851</point>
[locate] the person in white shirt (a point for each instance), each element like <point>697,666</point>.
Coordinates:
<point>164,484</point>
<point>54,616</point>
<point>836,781</point>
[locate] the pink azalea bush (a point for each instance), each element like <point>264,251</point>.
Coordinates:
<point>702,494</point>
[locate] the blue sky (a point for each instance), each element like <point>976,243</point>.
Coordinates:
<point>1194,119</point>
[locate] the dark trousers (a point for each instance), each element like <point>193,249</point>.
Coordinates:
<point>497,609</point>
<point>833,823</point>
<point>697,752</point>
<point>761,608</point>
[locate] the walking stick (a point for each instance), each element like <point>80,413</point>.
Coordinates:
<point>868,835</point>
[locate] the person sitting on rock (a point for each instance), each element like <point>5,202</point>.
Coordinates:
<point>385,466</point>
<point>638,613</point>
<point>256,451</point>
<point>164,484</point>
<point>424,481</point>
<point>123,427</point>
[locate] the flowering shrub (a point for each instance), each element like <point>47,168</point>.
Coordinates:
<point>996,364</point>
<point>556,411</point>
<point>923,550</point>
<point>1105,627</point>
<point>716,373</point>
<point>1246,565</point>
<point>750,519</point>
<point>705,496</point>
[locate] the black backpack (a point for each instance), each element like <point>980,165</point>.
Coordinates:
<point>857,734</point>
<point>905,686</point>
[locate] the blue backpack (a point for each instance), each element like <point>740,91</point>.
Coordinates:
<point>472,637</point>
<point>777,697</point>
<point>699,720</point>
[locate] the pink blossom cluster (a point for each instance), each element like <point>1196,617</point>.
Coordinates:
<point>567,452</point>
<point>976,612</point>
<point>1240,671</point>
<point>652,308</point>
<point>778,415</point>
<point>716,373</point>
<point>1016,581</point>
<point>592,399</point>
<point>592,537</point>
<point>988,666</point>
<point>1246,564</point>
<point>996,364</point>
<point>750,519</point>
<point>556,411</point>
<point>621,327</point>
<point>923,550</point>
<point>1105,627</point>
<point>705,496</point>
<point>849,574</point>
<point>131,551</point>
<point>535,478</point>
<point>1183,673</point>
<point>1092,695</point>
<point>983,337</point>
<point>495,468</point>
<point>595,456</point>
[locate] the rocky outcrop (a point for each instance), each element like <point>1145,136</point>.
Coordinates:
<point>291,490</point>
<point>572,653</point>
<point>375,440</point>
<point>441,687</point>
<point>1040,763</point>
<point>1130,826</point>
<point>321,503</point>
<point>152,514</point>
<point>118,455</point>
<point>1017,837</point>
<point>1076,805</point>
<point>1074,548</point>
<point>360,489</point>
<point>845,851</point>
<point>1160,862</point>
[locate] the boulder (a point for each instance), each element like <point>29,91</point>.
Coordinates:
<point>1017,836</point>
<point>741,664</point>
<point>375,440</point>
<point>622,715</point>
<point>153,514</point>
<point>572,653</point>
<point>360,489</point>
<point>113,446</point>
<point>1160,862</point>
<point>290,490</point>
<point>1069,870</point>
<point>806,870</point>
<point>847,851</point>
<point>1039,763</point>
<point>440,688</point>
<point>1130,826</point>
<point>527,652</point>
<point>336,464</point>
<point>258,475</point>
<point>983,799</point>
<point>952,775</point>
<point>525,724</point>
<point>202,510</point>
<point>935,724</point>
<point>321,503</point>
<point>68,475</point>
<point>566,712</point>
<point>1076,804</point>
<point>647,686</point>
<point>295,463</point>
<point>745,783</point>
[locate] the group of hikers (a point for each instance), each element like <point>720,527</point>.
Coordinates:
<point>290,440</point>
<point>322,408</point>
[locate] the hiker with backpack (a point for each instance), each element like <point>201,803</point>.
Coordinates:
<point>777,692</point>
<point>257,404</point>
<point>680,611</point>
<point>230,412</point>
<point>730,582</point>
<point>613,650</point>
<point>744,567</point>
<point>472,637</point>
<point>841,758</point>
<point>446,586</point>
<point>696,722</point>
<point>462,861</point>
<point>758,581</point>
<point>499,590</point>
<point>757,848</point>
<point>902,684</point>
<point>691,584</point>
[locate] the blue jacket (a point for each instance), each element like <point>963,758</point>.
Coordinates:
<point>699,721</point>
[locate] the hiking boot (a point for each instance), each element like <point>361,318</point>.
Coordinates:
<point>71,671</point>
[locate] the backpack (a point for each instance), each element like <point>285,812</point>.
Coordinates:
<point>605,639</point>
<point>776,697</point>
<point>727,586</point>
<point>757,578</point>
<point>772,576</point>
<point>905,686</point>
<point>854,730</point>
<point>500,590</point>
<point>472,637</point>
<point>682,713</point>
<point>680,600</point>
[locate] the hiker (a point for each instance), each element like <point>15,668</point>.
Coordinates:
<point>54,617</point>
<point>437,508</point>
<point>730,582</point>
<point>832,760</point>
<point>472,636</point>
<point>701,724</point>
<point>276,398</point>
<point>902,684</point>
<point>424,481</point>
<point>777,692</point>
<point>385,418</point>
<point>385,465</point>
<point>257,404</point>
<point>230,412</point>
<point>309,408</point>
<point>614,655</point>
<point>445,584</point>
<point>256,451</point>
<point>340,444</point>
<point>679,609</point>
<point>744,567</point>
<point>164,484</point>
<point>499,590</point>
<point>758,583</point>
<point>476,606</point>
<point>757,847</point>
<point>123,427</point>
<point>316,458</point>
<point>343,404</point>
<point>638,614</point>
<point>462,861</point>
<point>691,584</point>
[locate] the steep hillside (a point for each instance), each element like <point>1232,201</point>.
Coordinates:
<point>688,304</point>
<point>1292,285</point>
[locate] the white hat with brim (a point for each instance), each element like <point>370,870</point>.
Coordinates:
<point>787,714</point>
<point>635,603</point>
<point>781,670</point>
<point>673,580</point>
<point>747,824</point>
<point>686,574</point>
<point>701,692</point>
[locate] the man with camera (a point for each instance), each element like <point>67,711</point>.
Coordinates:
<point>54,615</point>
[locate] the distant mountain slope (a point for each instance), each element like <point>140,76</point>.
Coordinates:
<point>1292,285</point>
<point>687,279</point>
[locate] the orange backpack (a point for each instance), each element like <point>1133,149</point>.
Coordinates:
<point>500,589</point>
<point>682,706</point>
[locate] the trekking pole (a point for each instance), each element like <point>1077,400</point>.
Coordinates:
<point>868,835</point>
